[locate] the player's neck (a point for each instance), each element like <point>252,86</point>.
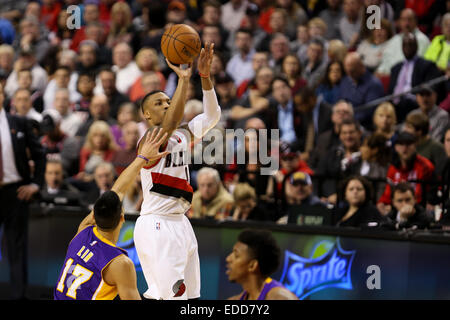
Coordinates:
<point>111,236</point>
<point>254,286</point>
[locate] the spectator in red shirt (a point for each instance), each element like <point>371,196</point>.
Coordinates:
<point>49,13</point>
<point>406,165</point>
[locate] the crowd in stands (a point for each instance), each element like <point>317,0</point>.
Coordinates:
<point>311,69</point>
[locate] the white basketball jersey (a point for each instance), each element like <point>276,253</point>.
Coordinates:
<point>165,184</point>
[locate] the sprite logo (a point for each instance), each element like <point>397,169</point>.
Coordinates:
<point>329,266</point>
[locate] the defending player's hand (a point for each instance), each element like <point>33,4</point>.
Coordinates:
<point>181,73</point>
<point>152,142</point>
<point>205,59</point>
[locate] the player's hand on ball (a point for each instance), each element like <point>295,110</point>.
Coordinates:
<point>181,73</point>
<point>205,59</point>
<point>154,140</point>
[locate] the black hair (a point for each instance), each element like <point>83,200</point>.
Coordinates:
<point>148,95</point>
<point>264,248</point>
<point>280,78</point>
<point>402,187</point>
<point>368,189</point>
<point>107,211</point>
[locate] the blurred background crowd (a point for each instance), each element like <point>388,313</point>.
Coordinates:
<point>362,112</point>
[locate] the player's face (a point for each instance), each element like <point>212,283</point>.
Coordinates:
<point>238,263</point>
<point>156,108</point>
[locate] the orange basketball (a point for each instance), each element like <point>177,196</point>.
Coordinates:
<point>180,44</point>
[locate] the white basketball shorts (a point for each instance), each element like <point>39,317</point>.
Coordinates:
<point>168,252</point>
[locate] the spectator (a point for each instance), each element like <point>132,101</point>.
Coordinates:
<point>312,118</point>
<point>393,53</point>
<point>406,213</point>
<point>7,32</point>
<point>439,49</point>
<point>26,60</point>
<point>49,13</point>
<point>251,22</point>
<point>52,136</point>
<point>211,200</point>
<point>329,139</point>
<point>62,36</point>
<point>332,16</point>
<point>376,156</point>
<point>212,33</point>
<point>61,79</point>
<point>260,59</point>
<point>127,112</point>
<point>279,49</point>
<point>103,181</point>
<point>292,70</point>
<point>55,190</point>
<point>328,88</point>
<point>176,13</point>
<point>95,31</point>
<point>281,92</point>
<point>303,207</point>
<point>18,187</point>
<point>127,71</point>
<point>339,161</point>
<point>98,110</point>
<point>350,23</point>
<point>290,162</point>
<point>337,50</point>
<point>85,87</point>
<point>356,210</point>
<point>247,206</point>
<point>406,165</point>
<point>121,27</point>
<point>371,49</point>
<point>91,14</point>
<point>385,121</point>
<point>439,119</point>
<point>255,102</point>
<point>226,94</point>
<point>30,39</point>
<point>240,65</point>
<point>359,87</point>
<point>408,74</point>
<point>126,154</point>
<point>23,106</point>
<point>299,46</point>
<point>88,61</point>
<point>99,146</point>
<point>108,84</point>
<point>295,15</point>
<point>70,121</point>
<point>6,58</point>
<point>277,25</point>
<point>233,13</point>
<point>24,80</point>
<point>418,125</point>
<point>315,66</point>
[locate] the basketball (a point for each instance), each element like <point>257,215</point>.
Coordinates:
<point>180,44</point>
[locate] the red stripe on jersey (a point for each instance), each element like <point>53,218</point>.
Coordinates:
<point>170,181</point>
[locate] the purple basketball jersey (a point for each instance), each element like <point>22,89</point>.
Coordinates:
<point>268,285</point>
<point>81,276</point>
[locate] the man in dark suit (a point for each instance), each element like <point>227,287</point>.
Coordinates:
<point>409,73</point>
<point>18,184</point>
<point>312,117</point>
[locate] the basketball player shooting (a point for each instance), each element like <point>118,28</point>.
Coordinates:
<point>165,241</point>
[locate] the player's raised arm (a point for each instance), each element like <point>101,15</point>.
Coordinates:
<point>149,151</point>
<point>205,121</point>
<point>175,113</point>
